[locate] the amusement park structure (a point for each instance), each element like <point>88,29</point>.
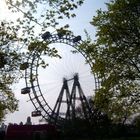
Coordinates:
<point>70,100</point>
<point>67,97</point>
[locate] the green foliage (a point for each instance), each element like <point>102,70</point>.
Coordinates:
<point>116,57</point>
<point>35,17</point>
<point>42,13</point>
<point>136,122</point>
<point>10,59</point>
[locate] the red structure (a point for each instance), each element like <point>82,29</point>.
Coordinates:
<point>31,132</point>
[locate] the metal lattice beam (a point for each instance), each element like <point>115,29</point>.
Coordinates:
<point>32,82</point>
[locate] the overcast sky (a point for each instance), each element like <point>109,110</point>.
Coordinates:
<point>65,68</point>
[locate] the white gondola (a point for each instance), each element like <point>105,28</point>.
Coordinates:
<point>36,113</point>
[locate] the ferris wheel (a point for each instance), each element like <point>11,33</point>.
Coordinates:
<point>57,104</point>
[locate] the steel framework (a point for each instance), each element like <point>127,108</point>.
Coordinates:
<point>32,82</point>
<point>71,110</point>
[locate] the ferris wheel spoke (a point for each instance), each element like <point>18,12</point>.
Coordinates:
<point>55,100</point>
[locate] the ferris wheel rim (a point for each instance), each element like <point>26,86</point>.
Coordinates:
<point>33,67</point>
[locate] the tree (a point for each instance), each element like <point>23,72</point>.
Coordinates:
<point>9,72</point>
<point>41,15</point>
<point>116,57</point>
<point>37,17</point>
<point>97,126</point>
